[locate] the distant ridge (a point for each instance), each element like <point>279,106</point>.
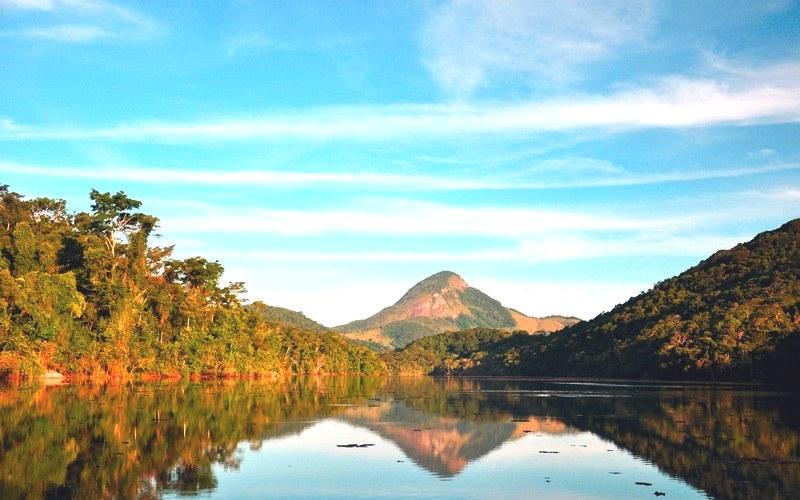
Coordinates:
<point>287,317</point>
<point>440,303</point>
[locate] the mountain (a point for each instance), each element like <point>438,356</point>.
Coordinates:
<point>734,316</point>
<point>287,317</point>
<point>440,303</point>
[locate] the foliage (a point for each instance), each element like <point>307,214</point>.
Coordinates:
<point>485,311</point>
<point>735,315</point>
<point>446,353</point>
<point>85,294</point>
<point>404,331</point>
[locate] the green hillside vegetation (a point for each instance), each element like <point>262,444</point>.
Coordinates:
<point>405,331</point>
<point>86,294</point>
<point>448,353</point>
<point>287,317</point>
<point>734,316</point>
<point>484,311</point>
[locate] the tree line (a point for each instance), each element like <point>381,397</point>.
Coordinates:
<point>86,293</point>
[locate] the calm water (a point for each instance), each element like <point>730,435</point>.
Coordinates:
<point>415,438</point>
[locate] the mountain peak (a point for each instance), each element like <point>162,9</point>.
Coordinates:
<point>439,303</point>
<point>439,282</point>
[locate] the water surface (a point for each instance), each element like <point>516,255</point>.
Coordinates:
<point>377,437</point>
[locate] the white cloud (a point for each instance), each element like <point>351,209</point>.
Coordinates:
<point>578,165</point>
<point>86,21</point>
<point>594,173</point>
<point>249,177</point>
<point>68,33</point>
<point>28,4</point>
<point>675,102</point>
<point>400,217</point>
<point>584,299</point>
<point>558,247</point>
<point>468,43</point>
<point>527,234</point>
<point>789,194</point>
<point>777,195</point>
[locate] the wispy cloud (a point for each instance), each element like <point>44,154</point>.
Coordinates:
<point>594,173</point>
<point>28,4</point>
<point>398,217</point>
<point>468,43</point>
<point>68,33</point>
<point>779,195</point>
<point>675,102</point>
<point>790,194</point>
<point>584,299</point>
<point>152,175</point>
<point>257,41</point>
<point>86,21</point>
<point>562,247</point>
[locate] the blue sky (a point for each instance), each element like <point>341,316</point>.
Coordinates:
<point>560,156</point>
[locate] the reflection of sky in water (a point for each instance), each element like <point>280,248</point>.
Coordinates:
<point>451,438</point>
<point>311,465</point>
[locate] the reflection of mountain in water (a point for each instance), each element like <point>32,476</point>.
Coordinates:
<point>144,440</point>
<point>441,444</point>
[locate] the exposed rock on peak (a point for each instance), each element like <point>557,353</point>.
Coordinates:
<point>439,303</point>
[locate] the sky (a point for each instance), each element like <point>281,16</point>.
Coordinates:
<point>560,156</point>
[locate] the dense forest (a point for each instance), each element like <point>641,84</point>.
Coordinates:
<point>87,294</point>
<point>734,316</point>
<point>448,353</point>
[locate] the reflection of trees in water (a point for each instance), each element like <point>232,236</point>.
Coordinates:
<point>730,443</point>
<point>731,446</point>
<point>128,441</point>
<point>139,440</point>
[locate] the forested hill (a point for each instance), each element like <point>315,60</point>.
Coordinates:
<point>736,315</point>
<point>287,317</point>
<point>86,294</point>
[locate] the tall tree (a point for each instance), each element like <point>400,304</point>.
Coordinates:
<point>113,218</point>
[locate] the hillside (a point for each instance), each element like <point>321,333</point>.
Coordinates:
<point>736,316</point>
<point>440,303</point>
<point>287,317</point>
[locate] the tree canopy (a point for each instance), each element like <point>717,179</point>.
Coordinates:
<point>85,293</point>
